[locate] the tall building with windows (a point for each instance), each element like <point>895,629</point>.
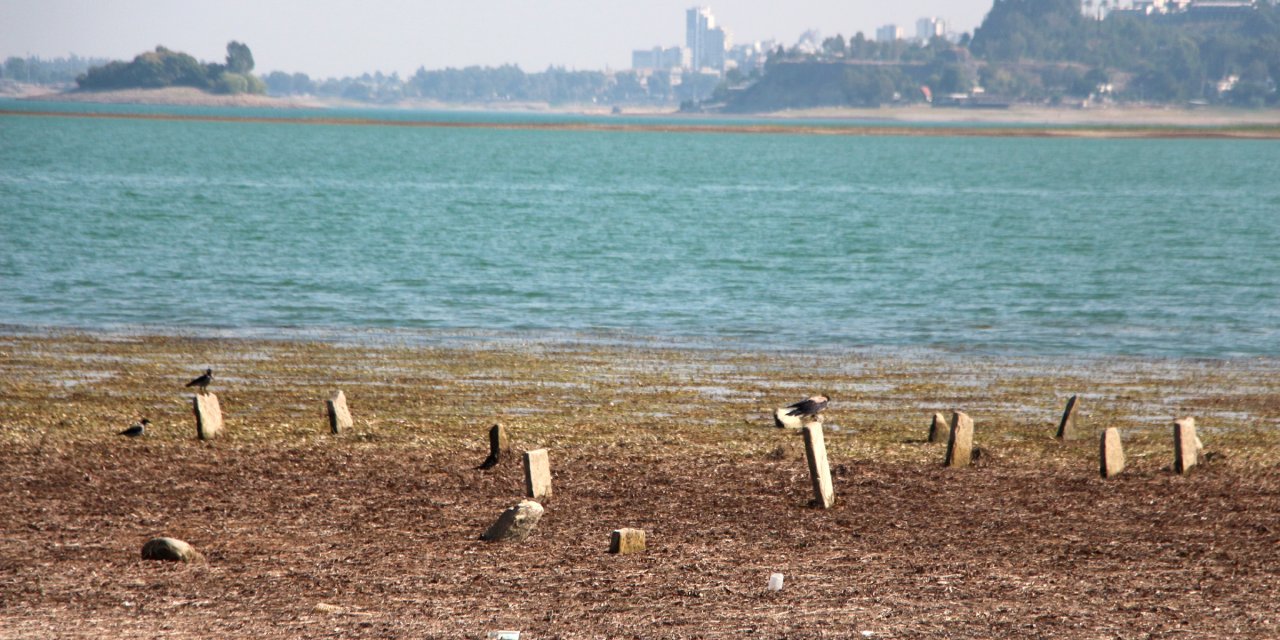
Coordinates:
<point>929,28</point>
<point>706,42</point>
<point>889,33</point>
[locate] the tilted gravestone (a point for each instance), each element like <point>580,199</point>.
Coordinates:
<point>939,429</point>
<point>208,416</point>
<point>499,447</point>
<point>783,421</point>
<point>815,449</point>
<point>960,443</point>
<point>1069,427</point>
<point>1111,455</point>
<point>537,474</point>
<point>339,415</point>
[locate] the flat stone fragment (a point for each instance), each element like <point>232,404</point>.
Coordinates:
<point>1111,456</point>
<point>1186,445</point>
<point>499,447</point>
<point>339,415</point>
<point>208,416</point>
<point>537,474</point>
<point>515,524</point>
<point>1068,427</point>
<point>960,443</point>
<point>815,449</point>
<point>939,428</point>
<point>624,541</point>
<point>783,421</point>
<point>171,549</point>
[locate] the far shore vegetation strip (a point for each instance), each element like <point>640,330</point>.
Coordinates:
<point>1260,132</point>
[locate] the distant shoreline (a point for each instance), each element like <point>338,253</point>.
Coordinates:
<point>993,128</point>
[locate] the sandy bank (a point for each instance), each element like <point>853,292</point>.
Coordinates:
<point>176,96</point>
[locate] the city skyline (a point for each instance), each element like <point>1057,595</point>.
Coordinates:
<point>337,38</point>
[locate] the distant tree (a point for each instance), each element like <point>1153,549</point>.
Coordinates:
<point>239,58</point>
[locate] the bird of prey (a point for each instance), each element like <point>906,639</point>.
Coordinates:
<point>137,429</point>
<point>203,381</point>
<point>811,406</point>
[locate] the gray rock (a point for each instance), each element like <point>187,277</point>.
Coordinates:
<point>171,549</point>
<point>515,524</point>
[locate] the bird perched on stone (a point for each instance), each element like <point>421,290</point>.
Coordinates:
<point>811,406</point>
<point>138,428</point>
<point>203,381</point>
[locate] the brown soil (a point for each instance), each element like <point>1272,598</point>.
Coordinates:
<point>382,523</point>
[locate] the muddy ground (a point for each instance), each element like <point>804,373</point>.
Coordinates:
<point>382,522</point>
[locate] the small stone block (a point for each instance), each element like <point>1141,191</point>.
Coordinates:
<point>939,428</point>
<point>339,415</point>
<point>1185,445</point>
<point>815,449</point>
<point>624,541</point>
<point>783,421</point>
<point>170,549</point>
<point>1111,457</point>
<point>537,474</point>
<point>208,416</point>
<point>960,443</point>
<point>515,524</point>
<point>499,447</point>
<point>1068,427</point>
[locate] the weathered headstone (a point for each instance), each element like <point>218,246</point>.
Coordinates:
<point>208,416</point>
<point>171,549</point>
<point>624,541</point>
<point>1111,456</point>
<point>339,415</point>
<point>515,524</point>
<point>960,442</point>
<point>939,428</point>
<point>537,474</point>
<point>1068,427</point>
<point>1185,445</point>
<point>783,421</point>
<point>499,447</point>
<point>815,449</point>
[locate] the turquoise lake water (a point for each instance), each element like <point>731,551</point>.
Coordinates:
<point>1156,247</point>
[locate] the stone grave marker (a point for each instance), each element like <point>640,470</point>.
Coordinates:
<point>939,428</point>
<point>815,449</point>
<point>339,415</point>
<point>537,474</point>
<point>1069,427</point>
<point>499,447</point>
<point>1111,456</point>
<point>624,541</point>
<point>208,416</point>
<point>1186,447</point>
<point>960,443</point>
<point>783,421</point>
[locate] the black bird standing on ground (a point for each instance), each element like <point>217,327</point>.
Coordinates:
<point>203,381</point>
<point>137,429</point>
<point>811,406</point>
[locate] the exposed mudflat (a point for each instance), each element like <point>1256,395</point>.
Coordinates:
<point>374,533</point>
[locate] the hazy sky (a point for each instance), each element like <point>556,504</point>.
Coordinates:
<point>347,37</point>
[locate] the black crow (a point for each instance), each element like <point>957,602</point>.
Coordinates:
<point>810,406</point>
<point>203,381</point>
<point>137,429</point>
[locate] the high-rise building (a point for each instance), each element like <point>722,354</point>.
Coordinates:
<point>889,33</point>
<point>706,42</point>
<point>929,28</point>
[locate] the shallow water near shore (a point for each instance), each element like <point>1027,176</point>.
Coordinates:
<point>1155,248</point>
